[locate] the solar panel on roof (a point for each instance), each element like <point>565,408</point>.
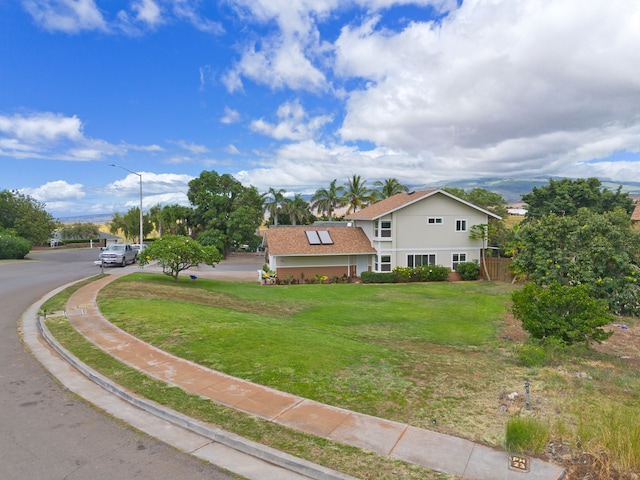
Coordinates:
<point>325,238</point>
<point>312,237</point>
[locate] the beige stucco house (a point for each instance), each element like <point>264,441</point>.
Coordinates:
<point>428,227</point>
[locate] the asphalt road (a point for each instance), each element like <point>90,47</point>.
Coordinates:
<point>46,433</point>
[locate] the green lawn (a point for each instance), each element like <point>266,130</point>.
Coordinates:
<point>377,349</point>
<point>431,355</point>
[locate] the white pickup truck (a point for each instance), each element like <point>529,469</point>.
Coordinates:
<point>117,254</point>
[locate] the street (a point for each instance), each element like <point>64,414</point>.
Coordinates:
<point>46,433</point>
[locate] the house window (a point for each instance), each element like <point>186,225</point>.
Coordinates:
<point>383,263</point>
<point>457,258</point>
<point>435,221</point>
<point>383,229</point>
<point>461,225</point>
<point>420,260</point>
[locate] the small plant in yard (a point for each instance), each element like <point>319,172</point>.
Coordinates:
<point>321,278</point>
<point>469,270</point>
<point>268,275</point>
<point>526,435</point>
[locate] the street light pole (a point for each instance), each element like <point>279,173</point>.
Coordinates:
<point>140,176</point>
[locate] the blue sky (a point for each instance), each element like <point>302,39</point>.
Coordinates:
<point>295,93</point>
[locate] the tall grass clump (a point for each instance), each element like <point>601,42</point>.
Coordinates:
<point>614,430</point>
<point>526,435</point>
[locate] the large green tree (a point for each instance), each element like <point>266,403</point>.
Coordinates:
<point>175,219</point>
<point>79,230</point>
<point>227,214</point>
<point>129,224</point>
<point>598,250</point>
<point>26,217</point>
<point>566,196</point>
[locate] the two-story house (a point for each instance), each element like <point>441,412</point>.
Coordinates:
<point>428,227</point>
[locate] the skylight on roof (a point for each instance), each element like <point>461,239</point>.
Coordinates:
<point>318,237</point>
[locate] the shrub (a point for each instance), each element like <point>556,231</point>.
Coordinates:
<point>12,247</point>
<point>566,313</point>
<point>526,435</point>
<point>469,270</point>
<point>424,273</point>
<point>531,355</point>
<point>378,277</point>
<point>432,273</point>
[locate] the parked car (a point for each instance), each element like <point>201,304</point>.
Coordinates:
<point>117,254</point>
<point>138,248</point>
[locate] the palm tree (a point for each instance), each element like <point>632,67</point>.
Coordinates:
<point>388,188</point>
<point>274,199</point>
<point>176,219</point>
<point>297,208</point>
<point>326,201</point>
<point>357,195</point>
<point>155,214</point>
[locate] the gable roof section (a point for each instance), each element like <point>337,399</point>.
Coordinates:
<point>294,241</point>
<point>401,200</point>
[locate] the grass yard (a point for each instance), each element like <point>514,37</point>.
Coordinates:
<point>443,356</point>
<point>393,351</point>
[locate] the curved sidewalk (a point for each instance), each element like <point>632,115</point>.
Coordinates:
<point>433,450</point>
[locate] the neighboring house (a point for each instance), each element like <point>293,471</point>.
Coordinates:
<point>107,239</point>
<point>428,227</point>
<point>635,216</point>
<point>306,251</point>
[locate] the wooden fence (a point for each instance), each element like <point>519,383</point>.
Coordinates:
<point>498,269</point>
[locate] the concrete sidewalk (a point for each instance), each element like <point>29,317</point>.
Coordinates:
<point>433,450</point>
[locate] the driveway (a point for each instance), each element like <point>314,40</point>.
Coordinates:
<point>240,266</point>
<point>48,433</point>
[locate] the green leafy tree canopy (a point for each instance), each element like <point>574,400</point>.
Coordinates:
<point>566,196</point>
<point>176,253</point>
<point>569,314</point>
<point>26,217</point>
<point>600,250</point>
<point>230,210</point>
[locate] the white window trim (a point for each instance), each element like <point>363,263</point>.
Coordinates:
<point>379,262</point>
<point>455,262</point>
<point>466,225</point>
<point>377,230</point>
<point>436,221</point>
<point>435,257</point>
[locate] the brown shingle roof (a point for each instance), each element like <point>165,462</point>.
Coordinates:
<point>293,241</point>
<point>635,216</point>
<point>389,205</point>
